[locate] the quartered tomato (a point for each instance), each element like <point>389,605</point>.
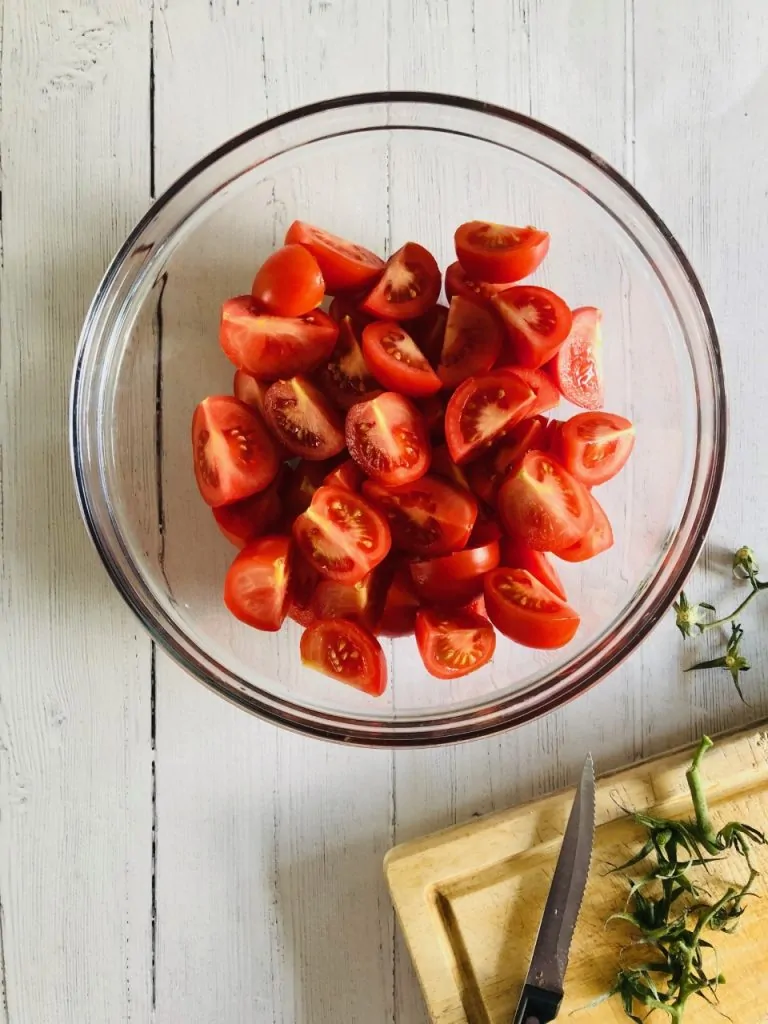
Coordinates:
<point>452,645</point>
<point>304,420</point>
<point>274,346</point>
<point>347,475</point>
<point>481,409</point>
<point>409,286</point>
<point>594,446</point>
<point>400,607</point>
<point>515,555</point>
<point>427,517</point>
<point>396,361</point>
<point>443,465</point>
<point>233,453</point>
<point>577,369</point>
<point>346,378</point>
<point>341,535</point>
<point>302,482</point>
<point>242,521</point>
<point>428,332</point>
<point>289,282</point>
<point>456,578</point>
<point>346,305</point>
<point>542,505</point>
<point>344,265</point>
<point>361,602</point>
<point>547,395</point>
<point>458,283</point>
<point>304,581</point>
<point>527,612</point>
<point>473,340</point>
<point>387,438</point>
<point>486,474</point>
<point>346,652</point>
<point>599,538</point>
<point>537,322</point>
<point>498,252</point>
<point>257,585</point>
<point>250,390</point>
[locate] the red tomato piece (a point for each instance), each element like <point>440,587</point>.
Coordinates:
<point>453,644</point>
<point>473,340</point>
<point>304,420</point>
<point>527,612</point>
<point>346,378</point>
<point>550,439</point>
<point>250,390</point>
<point>456,578</point>
<point>344,265</point>
<point>427,517</point>
<point>257,585</point>
<point>245,520</point>
<point>409,286</point>
<point>304,581</point>
<point>347,475</point>
<point>515,555</point>
<point>428,332</point>
<point>498,252</point>
<point>598,539</point>
<point>481,409</point>
<point>387,438</point>
<point>362,602</point>
<point>457,283</point>
<point>537,322</point>
<point>396,361</point>
<point>303,480</point>
<point>346,652</point>
<point>399,615</point>
<point>233,452</point>
<point>289,282</point>
<point>547,395</point>
<point>269,346</point>
<point>594,446</point>
<point>486,530</point>
<point>577,369</point>
<point>476,606</point>
<point>341,535</point>
<point>443,465</point>
<point>346,305</point>
<point>542,505</point>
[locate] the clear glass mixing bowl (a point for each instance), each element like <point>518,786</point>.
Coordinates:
<point>382,169</point>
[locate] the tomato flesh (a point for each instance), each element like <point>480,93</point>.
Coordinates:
<point>515,555</point>
<point>481,409</point>
<point>396,361</point>
<point>427,517</point>
<point>343,264</point>
<point>303,419</point>
<point>456,578</point>
<point>577,369</point>
<point>498,252</point>
<point>453,645</point>
<point>409,286</point>
<point>537,322</point>
<point>527,612</point>
<point>242,521</point>
<point>473,340</point>
<point>304,581</point>
<point>361,602</point>
<point>387,438</point>
<point>347,652</point>
<point>458,283</point>
<point>599,538</point>
<point>547,395</point>
<point>594,446</point>
<point>257,585</point>
<point>289,282</point>
<point>346,378</point>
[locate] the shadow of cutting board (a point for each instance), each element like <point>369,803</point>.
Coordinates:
<point>470,898</point>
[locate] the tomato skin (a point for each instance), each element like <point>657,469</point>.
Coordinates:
<point>245,520</point>
<point>347,652</point>
<point>412,269</point>
<point>363,602</point>
<point>257,585</point>
<point>458,283</point>
<point>250,390</point>
<point>547,395</point>
<point>524,610</point>
<point>387,438</point>
<point>289,282</point>
<point>453,645</point>
<point>428,331</point>
<point>594,446</point>
<point>456,578</point>
<point>577,369</point>
<point>270,347</point>
<point>347,475</point>
<point>473,340</point>
<point>481,409</point>
<point>400,607</point>
<point>343,264</point>
<point>234,456</point>
<point>396,361</point>
<point>515,555</point>
<point>346,378</point>
<point>497,253</point>
<point>427,517</point>
<point>598,539</point>
<point>537,322</point>
<point>303,419</point>
<point>346,305</point>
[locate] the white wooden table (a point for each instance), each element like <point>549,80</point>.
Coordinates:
<point>164,857</point>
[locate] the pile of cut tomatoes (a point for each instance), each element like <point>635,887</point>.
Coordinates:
<point>388,467</point>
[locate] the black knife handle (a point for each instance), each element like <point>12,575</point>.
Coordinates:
<point>537,1006</point>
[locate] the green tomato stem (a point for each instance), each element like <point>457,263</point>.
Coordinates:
<point>699,797</point>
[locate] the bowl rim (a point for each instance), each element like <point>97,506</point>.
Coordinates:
<point>446,727</point>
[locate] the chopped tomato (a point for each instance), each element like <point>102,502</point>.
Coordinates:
<point>409,286</point>
<point>476,606</point>
<point>396,361</point>
<point>289,282</point>
<point>302,482</point>
<point>344,265</point>
<point>524,609</point>
<point>274,346</point>
<point>346,652</point>
<point>486,474</point>
<point>547,395</point>
<point>387,438</point>
<point>250,390</point>
<point>577,369</point>
<point>432,409</point>
<point>428,332</point>
<point>498,252</point>
<point>427,517</point>
<point>361,602</point>
<point>233,453</point>
<point>595,445</point>
<point>515,555</point>
<point>257,586</point>
<point>542,505</point>
<point>452,645</point>
<point>304,581</point>
<point>346,378</point>
<point>346,305</point>
<point>473,340</point>
<point>550,439</point>
<point>456,578</point>
<point>457,283</point>
<point>537,322</point>
<point>347,475</point>
<point>242,521</point>
<point>304,420</point>
<point>341,535</point>
<point>443,465</point>
<point>481,409</point>
<point>598,539</point>
<point>401,605</point>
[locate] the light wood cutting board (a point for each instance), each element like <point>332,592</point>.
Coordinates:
<point>470,898</point>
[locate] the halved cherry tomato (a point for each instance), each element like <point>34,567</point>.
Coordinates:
<point>432,408</point>
<point>304,581</point>
<point>515,555</point>
<point>344,265</point>
<point>274,346</point>
<point>542,505</point>
<point>399,615</point>
<point>289,282</point>
<point>498,252</point>
<point>242,521</point>
<point>456,578</point>
<point>387,438</point>
<point>428,332</point>
<point>428,517</point>
<point>457,283</point>
<point>250,390</point>
<point>346,378</point>
<point>304,420</point>
<point>346,652</point>
<point>547,395</point>
<point>595,445</point>
<point>537,322</point>
<point>443,465</point>
<point>233,452</point>
<point>347,475</point>
<point>341,535</point>
<point>302,482</point>
<point>361,602</point>
<point>396,361</point>
<point>577,369</point>
<point>452,645</point>
<point>409,286</point>
<point>598,539</point>
<point>481,409</point>
<point>257,585</point>
<point>524,609</point>
<point>473,340</point>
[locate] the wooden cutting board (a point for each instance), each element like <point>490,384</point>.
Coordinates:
<point>470,898</point>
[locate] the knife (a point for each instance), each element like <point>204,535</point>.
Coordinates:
<point>543,990</point>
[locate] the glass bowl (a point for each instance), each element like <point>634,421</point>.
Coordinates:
<point>382,169</point>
